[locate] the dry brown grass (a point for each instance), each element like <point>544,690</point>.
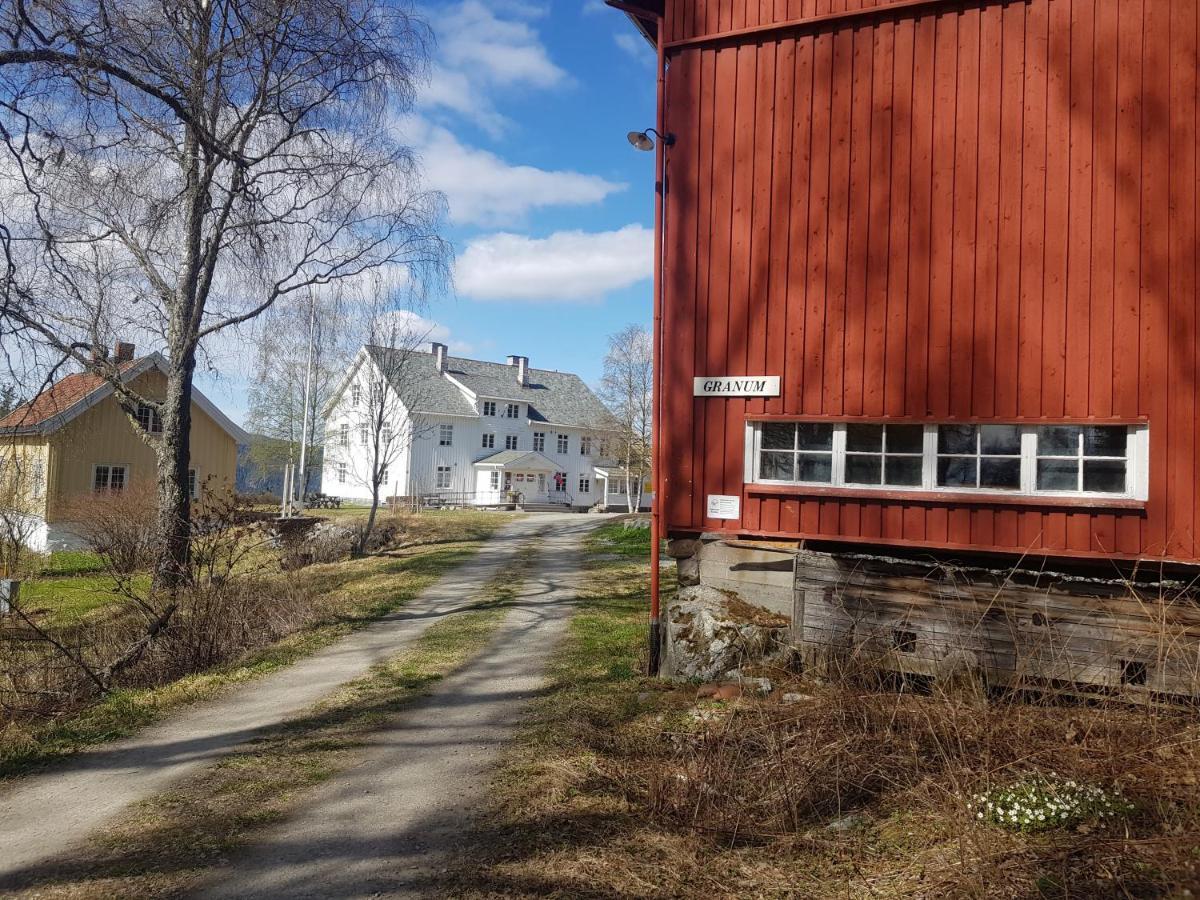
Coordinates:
<point>624,786</point>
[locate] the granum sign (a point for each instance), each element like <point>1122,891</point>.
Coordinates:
<point>737,386</point>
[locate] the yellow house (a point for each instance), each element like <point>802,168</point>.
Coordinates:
<point>73,438</point>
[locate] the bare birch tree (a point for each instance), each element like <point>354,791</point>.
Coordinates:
<point>627,388</point>
<point>175,167</point>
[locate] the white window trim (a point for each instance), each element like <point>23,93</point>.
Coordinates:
<point>438,472</point>
<point>110,466</point>
<point>512,442</point>
<point>512,410</point>
<point>1137,455</point>
<point>445,435</point>
<point>488,441</point>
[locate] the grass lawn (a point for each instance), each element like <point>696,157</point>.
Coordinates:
<point>68,600</point>
<point>622,785</point>
<point>352,594</point>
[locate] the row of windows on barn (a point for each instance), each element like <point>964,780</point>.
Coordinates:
<point>114,478</point>
<point>1061,460</point>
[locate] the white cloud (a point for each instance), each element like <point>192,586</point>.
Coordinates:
<point>483,189</point>
<point>635,45</point>
<point>482,52</point>
<point>567,265</point>
<point>415,328</point>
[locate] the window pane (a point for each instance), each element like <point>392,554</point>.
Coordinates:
<point>815,436</point>
<point>864,469</point>
<point>867,438</point>
<point>1058,440</point>
<point>905,438</point>
<point>1057,475</point>
<point>816,467</point>
<point>1000,439</point>
<point>1105,476</point>
<point>956,472</point>
<point>777,466</point>
<point>1000,473</point>
<point>904,471</point>
<point>1104,440</point>
<point>956,439</point>
<point>778,436</point>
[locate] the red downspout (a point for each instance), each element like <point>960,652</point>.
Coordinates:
<point>656,480</point>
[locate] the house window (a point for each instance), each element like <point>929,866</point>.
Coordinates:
<point>560,481</point>
<point>149,419</point>
<point>494,479</point>
<point>510,442</point>
<point>344,436</point>
<point>443,477</point>
<point>364,434</point>
<point>585,485</point>
<point>109,478</point>
<point>383,474</point>
<point>385,435</point>
<point>585,446</point>
<point>489,407</point>
<point>1031,460</point>
<point>562,443</point>
<point>193,485</point>
<point>539,441</point>
<point>489,442</point>
<point>341,473</point>
<point>445,435</point>
<point>356,395</point>
<point>512,411</point>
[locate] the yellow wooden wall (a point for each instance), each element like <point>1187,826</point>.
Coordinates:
<point>104,436</point>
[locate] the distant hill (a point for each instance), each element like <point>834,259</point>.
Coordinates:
<point>261,462</point>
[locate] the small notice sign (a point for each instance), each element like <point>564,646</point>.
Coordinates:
<point>724,506</point>
<point>736,386</point>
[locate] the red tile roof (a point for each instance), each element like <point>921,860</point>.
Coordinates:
<point>56,399</point>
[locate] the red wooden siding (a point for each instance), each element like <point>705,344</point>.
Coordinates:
<point>978,211</point>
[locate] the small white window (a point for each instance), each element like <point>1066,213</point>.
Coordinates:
<point>341,473</point>
<point>344,435</point>
<point>1090,459</point>
<point>443,477</point>
<point>364,434</point>
<point>109,478</point>
<point>585,485</point>
<point>38,478</point>
<point>562,443</point>
<point>385,436</point>
<point>383,474</point>
<point>489,441</point>
<point>494,479</point>
<point>510,442</point>
<point>356,395</point>
<point>445,435</point>
<point>489,407</point>
<point>585,446</point>
<point>512,411</point>
<point>149,419</point>
<point>539,441</point>
<point>193,485</point>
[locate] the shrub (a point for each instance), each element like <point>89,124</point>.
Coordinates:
<point>1038,803</point>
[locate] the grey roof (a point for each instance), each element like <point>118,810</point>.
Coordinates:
<point>428,392</point>
<point>518,459</point>
<point>558,398</point>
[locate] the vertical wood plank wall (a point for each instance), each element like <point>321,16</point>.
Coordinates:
<point>945,211</point>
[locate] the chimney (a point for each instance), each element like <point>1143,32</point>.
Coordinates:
<point>123,352</point>
<point>522,364</point>
<point>439,355</point>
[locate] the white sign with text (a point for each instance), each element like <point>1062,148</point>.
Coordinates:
<point>724,506</point>
<point>736,386</point>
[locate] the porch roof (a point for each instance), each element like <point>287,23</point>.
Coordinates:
<point>522,460</point>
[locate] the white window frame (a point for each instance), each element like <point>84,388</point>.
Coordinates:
<point>38,477</point>
<point>439,473</point>
<point>342,472</point>
<point>585,446</point>
<point>539,441</point>
<point>512,442</point>
<point>344,434</point>
<point>149,419</point>
<point>355,394</point>
<point>364,434</point>
<point>489,407</point>
<point>512,410</point>
<point>108,481</point>
<point>1137,455</point>
<point>193,484</point>
<point>489,440</point>
<point>445,435</point>
<point>494,480</point>
<point>564,443</point>
<point>585,484</point>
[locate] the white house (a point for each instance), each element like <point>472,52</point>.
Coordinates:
<point>476,432</point>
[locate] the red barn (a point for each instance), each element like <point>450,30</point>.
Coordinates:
<point>929,291</point>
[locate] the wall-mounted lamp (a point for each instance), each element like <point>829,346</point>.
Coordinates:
<point>641,140</point>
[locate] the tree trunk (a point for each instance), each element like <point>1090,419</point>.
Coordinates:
<point>174,461</point>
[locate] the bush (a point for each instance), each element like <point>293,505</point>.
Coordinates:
<point>119,527</point>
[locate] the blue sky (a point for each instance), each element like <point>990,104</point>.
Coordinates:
<point>522,125</point>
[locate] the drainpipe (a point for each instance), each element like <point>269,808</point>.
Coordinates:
<point>656,522</point>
